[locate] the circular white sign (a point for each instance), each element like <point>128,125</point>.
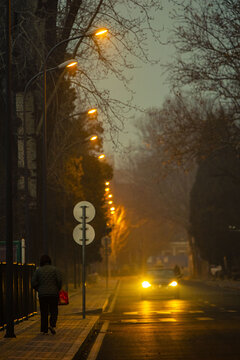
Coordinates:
<point>78,211</point>
<point>78,234</point>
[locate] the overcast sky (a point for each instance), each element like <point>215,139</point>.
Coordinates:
<point>148,81</point>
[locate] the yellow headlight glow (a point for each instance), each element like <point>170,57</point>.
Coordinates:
<point>173,283</point>
<point>146,284</point>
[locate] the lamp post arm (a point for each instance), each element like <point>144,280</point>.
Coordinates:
<point>62,42</point>
<point>44,67</point>
<point>33,78</point>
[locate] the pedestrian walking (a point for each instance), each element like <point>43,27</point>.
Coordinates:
<point>47,281</point>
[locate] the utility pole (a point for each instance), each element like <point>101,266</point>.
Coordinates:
<point>8,179</point>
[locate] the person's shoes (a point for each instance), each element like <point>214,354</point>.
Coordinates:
<point>52,330</point>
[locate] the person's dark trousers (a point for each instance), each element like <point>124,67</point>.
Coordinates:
<point>48,304</point>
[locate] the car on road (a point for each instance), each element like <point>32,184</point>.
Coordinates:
<point>160,281</point>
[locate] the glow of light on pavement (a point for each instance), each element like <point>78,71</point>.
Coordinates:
<point>176,306</point>
<point>146,308</point>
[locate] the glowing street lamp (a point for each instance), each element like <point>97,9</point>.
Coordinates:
<point>112,208</point>
<point>67,64</point>
<point>107,183</point>
<point>92,111</point>
<point>110,202</point>
<point>102,156</point>
<point>110,196</point>
<point>107,189</point>
<point>101,32</point>
<point>93,138</point>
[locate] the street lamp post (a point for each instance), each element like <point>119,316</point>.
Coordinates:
<point>8,179</point>
<point>44,134</point>
<point>25,153</point>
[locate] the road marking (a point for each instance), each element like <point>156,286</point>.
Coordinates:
<point>232,311</point>
<point>195,311</point>
<point>167,320</point>
<point>162,312</point>
<point>130,321</point>
<point>98,342</point>
<point>204,318</point>
<point>114,298</point>
<point>130,313</point>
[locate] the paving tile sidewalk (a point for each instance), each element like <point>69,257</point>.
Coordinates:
<point>225,283</point>
<point>72,329</point>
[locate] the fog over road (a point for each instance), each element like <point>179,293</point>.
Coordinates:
<point>203,324</point>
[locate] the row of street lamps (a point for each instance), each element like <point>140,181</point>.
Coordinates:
<point>67,64</point>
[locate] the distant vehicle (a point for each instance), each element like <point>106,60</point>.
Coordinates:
<point>160,281</point>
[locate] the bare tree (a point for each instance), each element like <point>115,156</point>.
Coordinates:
<point>206,37</point>
<point>38,27</point>
<point>187,129</point>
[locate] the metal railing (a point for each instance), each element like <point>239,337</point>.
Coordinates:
<point>24,297</point>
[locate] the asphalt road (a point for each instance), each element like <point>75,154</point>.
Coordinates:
<point>203,324</point>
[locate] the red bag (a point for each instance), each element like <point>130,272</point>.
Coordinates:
<point>63,298</point>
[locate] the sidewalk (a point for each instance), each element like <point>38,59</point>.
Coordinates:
<point>72,330</point>
<point>224,283</point>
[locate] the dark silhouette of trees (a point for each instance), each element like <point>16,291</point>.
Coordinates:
<point>38,27</point>
<point>215,208</point>
<point>206,38</point>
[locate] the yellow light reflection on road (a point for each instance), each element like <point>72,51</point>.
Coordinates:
<point>176,306</point>
<point>146,309</point>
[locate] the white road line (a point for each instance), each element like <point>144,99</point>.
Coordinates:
<point>98,342</point>
<point>130,313</point>
<point>162,312</point>
<point>129,321</point>
<point>114,298</point>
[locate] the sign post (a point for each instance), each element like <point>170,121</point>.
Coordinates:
<point>83,234</point>
<point>83,261</point>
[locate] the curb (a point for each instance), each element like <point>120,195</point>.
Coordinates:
<point>81,340</point>
<point>78,345</point>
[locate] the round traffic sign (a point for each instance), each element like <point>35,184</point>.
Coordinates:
<point>78,211</point>
<point>78,234</point>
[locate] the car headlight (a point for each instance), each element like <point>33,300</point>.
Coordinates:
<point>173,283</point>
<point>146,284</point>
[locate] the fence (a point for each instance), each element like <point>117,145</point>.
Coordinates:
<point>24,298</point>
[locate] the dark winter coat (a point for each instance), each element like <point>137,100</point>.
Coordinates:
<point>47,280</point>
